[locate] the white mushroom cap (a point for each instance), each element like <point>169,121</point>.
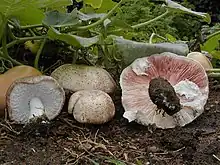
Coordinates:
<point>91,106</point>
<point>34,96</point>
<point>74,77</point>
<point>187,77</point>
<point>201,58</point>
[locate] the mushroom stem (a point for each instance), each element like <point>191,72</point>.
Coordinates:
<point>36,108</point>
<point>162,94</point>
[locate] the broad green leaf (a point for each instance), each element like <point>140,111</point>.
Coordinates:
<point>53,4</point>
<point>58,19</point>
<point>25,10</point>
<point>106,6</point>
<point>211,44</point>
<point>26,18</point>
<point>179,8</point>
<point>10,7</point>
<point>94,3</point>
<point>87,17</point>
<point>121,23</point>
<point>72,39</point>
<point>215,54</point>
<point>170,37</point>
<point>131,50</point>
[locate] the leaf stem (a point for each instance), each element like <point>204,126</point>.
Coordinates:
<point>213,70</point>
<point>150,21</point>
<point>153,35</point>
<point>212,35</point>
<point>5,49</point>
<point>39,53</point>
<point>20,40</point>
<point>26,26</point>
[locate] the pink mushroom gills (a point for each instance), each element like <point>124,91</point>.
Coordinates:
<point>164,89</point>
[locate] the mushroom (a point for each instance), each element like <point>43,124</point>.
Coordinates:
<point>81,77</point>
<point>164,89</point>
<point>11,75</point>
<point>201,58</point>
<point>91,107</point>
<point>34,97</point>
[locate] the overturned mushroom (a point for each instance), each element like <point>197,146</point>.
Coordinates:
<point>91,106</point>
<point>34,97</point>
<point>11,75</point>
<point>80,77</point>
<point>164,89</point>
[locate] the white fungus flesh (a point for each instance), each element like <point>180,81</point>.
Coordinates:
<point>187,77</point>
<point>91,107</point>
<point>36,108</point>
<point>34,96</point>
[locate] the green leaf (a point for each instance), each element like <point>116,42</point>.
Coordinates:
<point>106,6</point>
<point>211,44</point>
<point>179,8</point>
<point>58,19</point>
<point>54,4</point>
<point>25,10</point>
<point>10,7</point>
<point>215,54</point>
<point>87,17</point>
<point>26,18</point>
<point>121,23</point>
<point>170,37</point>
<point>94,3</point>
<point>72,39</point>
<point>131,50</point>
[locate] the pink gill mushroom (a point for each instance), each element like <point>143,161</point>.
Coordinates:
<point>34,97</point>
<point>164,89</point>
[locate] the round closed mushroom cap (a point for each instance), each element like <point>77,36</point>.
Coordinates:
<point>201,58</point>
<point>74,77</point>
<point>91,107</point>
<point>164,89</point>
<point>34,97</point>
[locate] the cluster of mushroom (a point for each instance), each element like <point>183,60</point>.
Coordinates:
<point>28,95</point>
<point>165,89</point>
<point>90,102</point>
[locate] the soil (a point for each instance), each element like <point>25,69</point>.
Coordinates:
<point>66,142</point>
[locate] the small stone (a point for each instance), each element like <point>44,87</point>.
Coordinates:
<point>153,149</point>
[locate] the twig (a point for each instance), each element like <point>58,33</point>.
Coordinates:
<point>10,128</point>
<point>71,125</point>
<point>39,53</point>
<point>96,135</point>
<point>85,148</point>
<point>216,157</point>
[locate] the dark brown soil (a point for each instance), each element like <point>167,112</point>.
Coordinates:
<point>65,142</point>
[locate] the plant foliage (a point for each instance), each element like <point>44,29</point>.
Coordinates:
<point>88,36</point>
